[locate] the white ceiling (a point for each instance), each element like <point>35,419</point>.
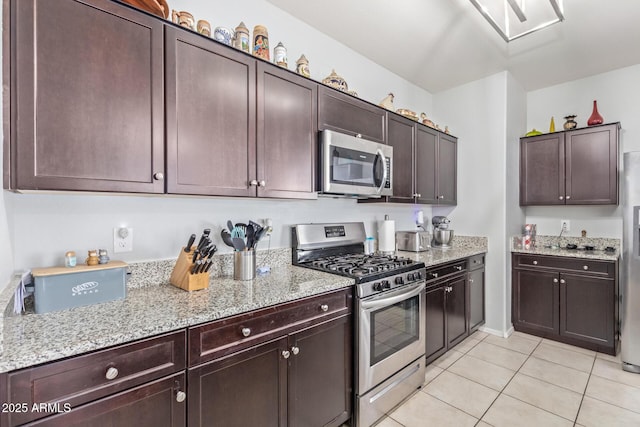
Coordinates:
<point>440,44</point>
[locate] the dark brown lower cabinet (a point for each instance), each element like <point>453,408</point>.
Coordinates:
<point>300,379</point>
<point>475,289</point>
<point>446,314</point>
<point>155,404</point>
<point>571,300</point>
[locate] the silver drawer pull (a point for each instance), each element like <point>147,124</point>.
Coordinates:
<point>112,373</point>
<point>586,267</point>
<point>246,332</point>
<point>295,350</point>
<point>324,307</point>
<point>470,280</point>
<point>562,281</point>
<point>181,396</point>
<point>535,262</point>
<point>158,176</point>
<point>561,198</point>
<point>555,280</point>
<point>286,354</point>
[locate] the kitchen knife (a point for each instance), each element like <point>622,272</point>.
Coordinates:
<point>196,253</point>
<point>192,239</point>
<point>205,235</point>
<point>208,266</point>
<point>196,265</point>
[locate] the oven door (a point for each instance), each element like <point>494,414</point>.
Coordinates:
<point>354,166</point>
<point>391,333</point>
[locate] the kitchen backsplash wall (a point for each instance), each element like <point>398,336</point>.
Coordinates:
<point>48,225</point>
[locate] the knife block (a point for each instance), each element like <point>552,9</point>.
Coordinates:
<point>181,275</point>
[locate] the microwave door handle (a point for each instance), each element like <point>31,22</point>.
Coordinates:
<point>384,170</point>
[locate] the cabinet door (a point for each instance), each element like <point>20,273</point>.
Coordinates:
<point>592,166</point>
<point>426,159</point>
<point>154,404</point>
<point>476,299</point>
<point>287,135</point>
<point>447,188</point>
<point>248,388</point>
<point>401,135</point>
<point>436,323</point>
<point>210,92</point>
<point>542,170</point>
<point>587,307</point>
<point>535,301</point>
<point>320,374</point>
<point>456,307</point>
<point>87,97</point>
<point>344,113</point>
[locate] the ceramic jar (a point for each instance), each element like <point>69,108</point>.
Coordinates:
<point>261,42</point>
<point>335,81</point>
<point>280,55</point>
<point>223,35</point>
<point>570,122</point>
<point>204,28</point>
<point>302,66</point>
<point>595,118</point>
<point>183,18</point>
<point>92,258</point>
<point>241,38</point>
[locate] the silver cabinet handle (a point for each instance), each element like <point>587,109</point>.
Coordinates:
<point>262,183</point>
<point>441,197</point>
<point>181,396</point>
<point>286,354</point>
<point>561,198</point>
<point>470,280</point>
<point>458,267</point>
<point>324,307</point>
<point>358,135</point>
<point>562,281</point>
<point>586,267</point>
<point>568,197</point>
<point>253,183</point>
<point>158,176</point>
<point>295,350</point>
<point>555,280</point>
<point>112,373</point>
<point>535,262</point>
<point>246,332</point>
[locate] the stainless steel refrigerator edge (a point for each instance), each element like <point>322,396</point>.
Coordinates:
<point>630,272</point>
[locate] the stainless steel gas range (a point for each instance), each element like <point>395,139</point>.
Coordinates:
<point>390,313</point>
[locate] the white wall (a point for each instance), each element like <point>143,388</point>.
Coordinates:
<point>476,113</point>
<point>45,226</point>
<point>618,96</point>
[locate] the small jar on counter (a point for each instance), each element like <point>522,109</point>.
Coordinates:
<point>103,256</point>
<point>92,259</point>
<point>70,259</point>
<point>370,246</point>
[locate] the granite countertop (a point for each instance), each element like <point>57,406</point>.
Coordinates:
<point>150,310</point>
<point>556,246</point>
<point>462,247</point>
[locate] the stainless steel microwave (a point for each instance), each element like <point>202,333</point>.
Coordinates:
<point>353,166</point>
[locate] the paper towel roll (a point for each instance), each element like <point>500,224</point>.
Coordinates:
<point>387,236</point>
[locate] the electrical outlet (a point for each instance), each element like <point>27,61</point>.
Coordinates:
<point>268,224</point>
<point>122,239</point>
<point>565,225</point>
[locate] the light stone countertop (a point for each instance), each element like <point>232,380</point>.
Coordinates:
<point>462,247</point>
<point>543,244</point>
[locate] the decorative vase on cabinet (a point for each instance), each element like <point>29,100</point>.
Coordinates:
<point>596,118</point>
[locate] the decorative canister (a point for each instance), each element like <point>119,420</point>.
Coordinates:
<point>223,35</point>
<point>261,42</point>
<point>92,258</point>
<point>204,28</point>
<point>70,259</point>
<point>103,256</point>
<point>335,81</point>
<point>570,122</point>
<point>280,55</point>
<point>183,18</point>
<point>302,66</point>
<point>241,38</point>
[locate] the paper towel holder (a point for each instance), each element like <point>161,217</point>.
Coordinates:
<point>386,236</point>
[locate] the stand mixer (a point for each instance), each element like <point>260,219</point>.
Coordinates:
<point>442,235</point>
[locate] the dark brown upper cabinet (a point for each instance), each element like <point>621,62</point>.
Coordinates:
<point>344,113</point>
<point>87,107</point>
<point>576,167</point>
<point>236,126</point>
<point>401,134</point>
<point>211,116</point>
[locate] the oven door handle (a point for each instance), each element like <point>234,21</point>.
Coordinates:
<point>384,170</point>
<point>389,298</point>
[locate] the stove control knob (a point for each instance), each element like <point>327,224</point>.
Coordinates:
<point>418,275</point>
<point>386,284</point>
<point>410,276</point>
<point>377,287</point>
<point>399,280</point>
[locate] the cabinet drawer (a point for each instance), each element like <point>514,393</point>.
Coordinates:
<point>584,266</point>
<point>444,271</point>
<point>221,337</point>
<point>476,261</point>
<point>85,378</point>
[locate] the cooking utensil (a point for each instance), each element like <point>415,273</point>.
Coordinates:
<point>238,243</point>
<point>230,226</point>
<point>250,237</point>
<point>226,238</point>
<point>196,253</point>
<point>192,239</point>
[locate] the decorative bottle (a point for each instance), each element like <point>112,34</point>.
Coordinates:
<point>596,118</point>
<point>261,42</point>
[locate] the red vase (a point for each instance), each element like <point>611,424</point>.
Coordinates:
<point>596,118</point>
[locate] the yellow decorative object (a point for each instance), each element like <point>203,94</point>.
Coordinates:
<point>533,132</point>
<point>552,125</point>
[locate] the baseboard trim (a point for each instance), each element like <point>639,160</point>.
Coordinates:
<point>496,332</point>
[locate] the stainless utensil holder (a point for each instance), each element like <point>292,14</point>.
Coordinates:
<point>244,265</point>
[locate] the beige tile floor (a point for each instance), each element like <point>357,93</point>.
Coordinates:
<point>521,381</point>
